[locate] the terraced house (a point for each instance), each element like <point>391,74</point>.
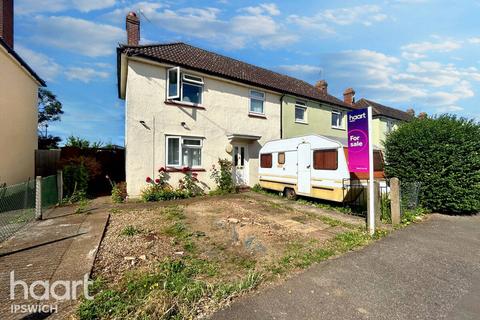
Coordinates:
<point>188,107</point>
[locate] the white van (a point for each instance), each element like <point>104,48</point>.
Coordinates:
<point>313,166</point>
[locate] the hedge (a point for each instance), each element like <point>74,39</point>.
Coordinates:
<point>443,153</point>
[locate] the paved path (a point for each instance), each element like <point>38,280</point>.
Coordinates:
<point>429,270</point>
<point>62,248</point>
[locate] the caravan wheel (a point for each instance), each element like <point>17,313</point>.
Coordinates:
<point>289,193</point>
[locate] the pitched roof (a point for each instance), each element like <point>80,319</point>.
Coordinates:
<point>22,62</point>
<point>381,110</point>
<point>188,56</point>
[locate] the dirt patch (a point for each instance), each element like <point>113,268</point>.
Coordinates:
<point>230,244</point>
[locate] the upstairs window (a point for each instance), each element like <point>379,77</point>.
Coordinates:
<point>337,119</point>
<point>266,160</point>
<point>184,152</point>
<point>390,126</point>
<point>257,100</point>
<point>325,159</point>
<point>184,87</point>
<point>300,112</point>
<point>377,160</point>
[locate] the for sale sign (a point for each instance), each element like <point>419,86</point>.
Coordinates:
<point>358,142</point>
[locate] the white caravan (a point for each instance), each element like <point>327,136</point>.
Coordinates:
<point>313,165</point>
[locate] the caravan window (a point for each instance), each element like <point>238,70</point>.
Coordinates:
<point>325,159</point>
<point>377,160</point>
<point>266,160</point>
<point>281,158</point>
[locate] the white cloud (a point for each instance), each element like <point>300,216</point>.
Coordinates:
<point>37,6</point>
<point>324,20</point>
<point>301,68</point>
<point>475,40</point>
<point>251,25</point>
<point>43,65</point>
<point>77,35</point>
<point>429,83</point>
<point>85,75</point>
<point>419,50</point>
<point>451,108</point>
<point>265,8</point>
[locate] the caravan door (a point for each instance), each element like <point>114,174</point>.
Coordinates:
<point>304,164</point>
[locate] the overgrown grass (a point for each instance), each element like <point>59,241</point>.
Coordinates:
<point>177,229</point>
<point>174,290</point>
<point>413,215</point>
<point>130,231</point>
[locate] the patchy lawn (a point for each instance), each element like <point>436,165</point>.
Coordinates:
<point>186,259</point>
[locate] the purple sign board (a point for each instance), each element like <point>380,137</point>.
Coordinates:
<point>358,149</point>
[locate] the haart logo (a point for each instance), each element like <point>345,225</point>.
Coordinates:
<point>357,117</point>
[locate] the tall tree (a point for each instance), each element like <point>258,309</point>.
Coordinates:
<point>49,110</point>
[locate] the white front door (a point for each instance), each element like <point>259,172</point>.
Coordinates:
<point>304,163</point>
<point>240,164</point>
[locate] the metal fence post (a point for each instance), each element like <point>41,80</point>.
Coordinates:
<point>38,198</point>
<point>395,200</point>
<point>60,185</point>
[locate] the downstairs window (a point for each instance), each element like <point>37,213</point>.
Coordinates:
<point>184,152</point>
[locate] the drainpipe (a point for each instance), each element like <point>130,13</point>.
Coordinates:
<point>281,116</point>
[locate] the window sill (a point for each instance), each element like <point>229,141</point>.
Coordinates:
<point>180,169</point>
<point>338,128</point>
<point>257,115</point>
<point>301,122</point>
<point>184,104</point>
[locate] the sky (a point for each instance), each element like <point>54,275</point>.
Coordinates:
<point>421,54</point>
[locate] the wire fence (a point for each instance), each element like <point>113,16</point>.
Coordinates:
<point>18,203</point>
<point>17,207</point>
<point>356,194</point>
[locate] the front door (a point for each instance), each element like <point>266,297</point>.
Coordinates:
<point>304,163</point>
<point>240,164</point>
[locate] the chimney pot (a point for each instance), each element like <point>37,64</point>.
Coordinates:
<point>411,112</point>
<point>133,29</point>
<point>322,85</point>
<point>6,21</point>
<point>349,96</point>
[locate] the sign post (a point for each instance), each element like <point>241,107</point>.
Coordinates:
<point>360,153</point>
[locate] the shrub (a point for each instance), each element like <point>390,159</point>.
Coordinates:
<point>155,192</point>
<point>223,176</point>
<point>189,184</point>
<point>119,192</point>
<point>77,172</point>
<point>441,153</point>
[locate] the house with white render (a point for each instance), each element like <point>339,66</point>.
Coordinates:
<point>188,107</point>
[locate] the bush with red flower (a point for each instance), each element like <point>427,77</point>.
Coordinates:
<point>158,189</point>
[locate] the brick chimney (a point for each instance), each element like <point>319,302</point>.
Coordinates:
<point>6,21</point>
<point>349,96</point>
<point>322,85</point>
<point>411,112</point>
<point>133,29</point>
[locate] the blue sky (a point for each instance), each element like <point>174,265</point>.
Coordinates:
<point>423,54</point>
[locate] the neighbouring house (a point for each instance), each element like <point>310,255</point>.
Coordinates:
<point>188,107</point>
<point>314,112</point>
<point>385,119</point>
<point>18,106</point>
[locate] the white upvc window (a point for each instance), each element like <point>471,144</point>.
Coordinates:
<point>184,151</point>
<point>390,126</point>
<point>337,119</point>
<point>300,112</point>
<point>257,99</point>
<point>184,87</point>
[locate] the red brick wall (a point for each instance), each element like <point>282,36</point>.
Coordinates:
<point>6,21</point>
<point>133,29</point>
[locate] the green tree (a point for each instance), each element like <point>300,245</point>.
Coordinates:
<point>77,142</point>
<point>49,110</point>
<point>443,154</point>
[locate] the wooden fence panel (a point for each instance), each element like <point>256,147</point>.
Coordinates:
<point>47,162</point>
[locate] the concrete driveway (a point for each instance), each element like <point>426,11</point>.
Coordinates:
<point>429,270</point>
